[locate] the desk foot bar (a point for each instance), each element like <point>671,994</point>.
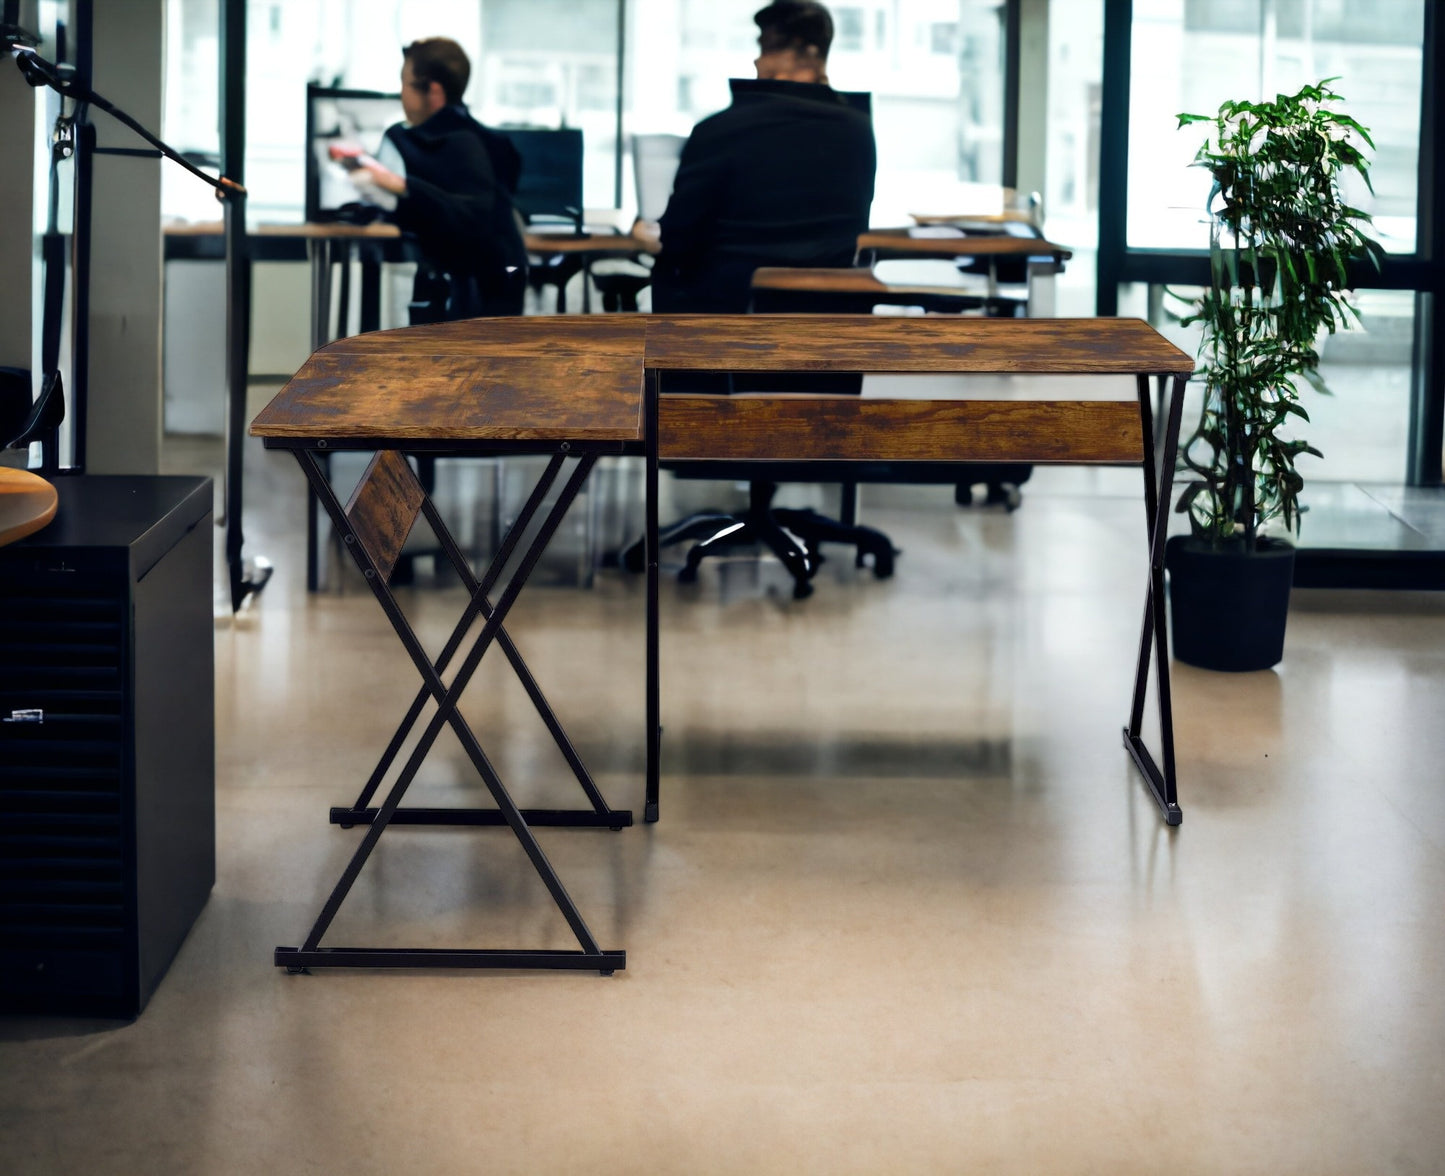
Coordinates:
<point>1153,777</point>
<point>542,818</point>
<point>294,959</point>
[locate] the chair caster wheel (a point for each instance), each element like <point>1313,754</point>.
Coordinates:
<point>1004,494</point>
<point>687,575</point>
<point>634,558</point>
<point>802,589</point>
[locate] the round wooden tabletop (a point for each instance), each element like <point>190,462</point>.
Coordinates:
<point>27,503</point>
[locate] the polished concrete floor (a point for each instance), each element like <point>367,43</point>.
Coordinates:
<point>908,908</point>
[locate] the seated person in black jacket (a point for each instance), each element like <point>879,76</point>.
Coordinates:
<point>454,184</point>
<point>784,176</point>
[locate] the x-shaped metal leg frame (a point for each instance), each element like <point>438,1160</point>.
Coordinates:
<point>599,815</point>
<point>374,527</point>
<point>1158,493</point>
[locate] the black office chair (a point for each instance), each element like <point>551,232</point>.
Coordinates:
<point>795,536</point>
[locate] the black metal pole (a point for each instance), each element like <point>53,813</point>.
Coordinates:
<point>84,180</point>
<point>1113,154</point>
<point>652,391</point>
<point>238,284</point>
<point>1427,390</point>
<point>621,73</point>
<point>1012,72</point>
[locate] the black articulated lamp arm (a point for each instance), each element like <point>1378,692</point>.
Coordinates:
<point>49,407</point>
<point>62,79</point>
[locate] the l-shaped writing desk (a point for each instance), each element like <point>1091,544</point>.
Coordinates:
<point>586,386</point>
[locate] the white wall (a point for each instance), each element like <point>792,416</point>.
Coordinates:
<point>123,422</point>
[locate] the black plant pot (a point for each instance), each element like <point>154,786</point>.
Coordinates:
<point>1228,606</point>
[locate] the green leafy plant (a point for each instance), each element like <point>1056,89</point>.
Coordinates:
<point>1281,242</point>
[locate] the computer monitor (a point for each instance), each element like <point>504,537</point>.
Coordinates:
<point>550,187</point>
<point>358,117</point>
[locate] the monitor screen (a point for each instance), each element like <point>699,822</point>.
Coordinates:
<point>550,187</point>
<point>347,117</point>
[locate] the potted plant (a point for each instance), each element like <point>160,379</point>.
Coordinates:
<point>1282,239</point>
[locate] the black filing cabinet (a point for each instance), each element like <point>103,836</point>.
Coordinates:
<point>107,743</point>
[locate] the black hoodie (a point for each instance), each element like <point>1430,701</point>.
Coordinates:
<point>459,178</point>
<point>783,176</point>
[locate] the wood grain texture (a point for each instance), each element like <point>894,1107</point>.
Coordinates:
<point>580,377</point>
<point>27,503</point>
<point>351,397</point>
<point>502,339</point>
<point>857,280</point>
<point>806,428</point>
<point>383,508</point>
<point>897,243</point>
<point>595,245</point>
<point>930,343</point>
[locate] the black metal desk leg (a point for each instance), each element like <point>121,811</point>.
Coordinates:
<point>318,250</point>
<point>600,814</point>
<point>367,552</point>
<point>654,705</point>
<point>1154,639</point>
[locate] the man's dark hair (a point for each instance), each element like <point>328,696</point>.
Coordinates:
<point>799,25</point>
<point>438,59</point>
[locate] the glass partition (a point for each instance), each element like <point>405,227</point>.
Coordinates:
<point>536,63</point>
<point>934,68</point>
<point>1191,55</point>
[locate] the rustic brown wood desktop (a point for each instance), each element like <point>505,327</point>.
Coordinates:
<point>894,243</point>
<point>579,387</point>
<point>861,288</point>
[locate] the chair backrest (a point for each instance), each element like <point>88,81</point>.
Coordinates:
<point>550,187</point>
<point>654,164</point>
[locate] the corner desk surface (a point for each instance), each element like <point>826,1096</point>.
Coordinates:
<point>581,378</point>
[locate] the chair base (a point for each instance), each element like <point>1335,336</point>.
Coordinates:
<point>794,536</point>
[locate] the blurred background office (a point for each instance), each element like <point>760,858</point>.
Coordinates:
<point>966,94</point>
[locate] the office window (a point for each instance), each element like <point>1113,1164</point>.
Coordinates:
<point>937,96</point>
<point>534,62</point>
<point>1362,427</point>
<point>1190,55</point>
<point>848,30</point>
<point>191,110</point>
<point>938,117</point>
<point>1071,194</point>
